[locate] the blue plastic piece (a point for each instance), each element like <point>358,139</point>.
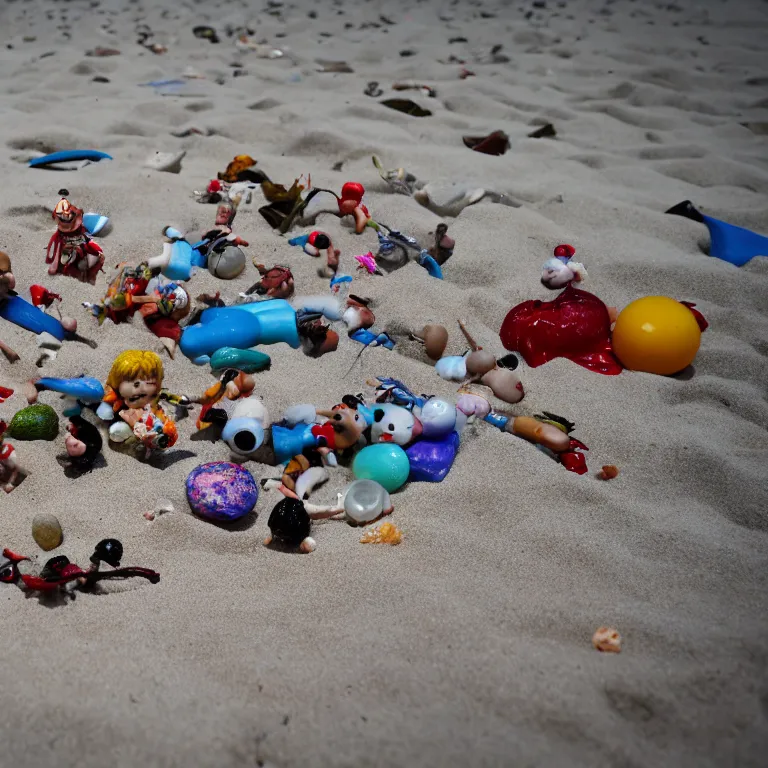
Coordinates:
<point>94,222</point>
<point>432,267</point>
<point>85,388</point>
<point>733,244</point>
<point>301,240</point>
<point>728,242</point>
<point>340,279</point>
<point>69,155</point>
<point>288,442</point>
<point>20,312</point>
<point>496,419</point>
<point>242,327</point>
<point>367,338</point>
<point>184,261</point>
<point>431,460</point>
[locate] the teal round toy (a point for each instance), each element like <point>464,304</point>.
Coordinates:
<point>385,463</point>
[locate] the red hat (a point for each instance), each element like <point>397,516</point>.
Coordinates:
<point>565,251</point>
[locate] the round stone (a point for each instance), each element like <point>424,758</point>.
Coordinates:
<point>221,491</point>
<point>226,264</point>
<point>385,463</point>
<point>46,531</point>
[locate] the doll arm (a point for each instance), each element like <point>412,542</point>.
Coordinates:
<point>536,432</point>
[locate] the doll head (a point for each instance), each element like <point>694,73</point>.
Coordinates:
<point>137,376</point>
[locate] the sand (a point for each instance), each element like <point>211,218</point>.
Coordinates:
<point>470,643</point>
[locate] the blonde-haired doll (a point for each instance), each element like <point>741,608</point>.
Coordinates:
<point>131,401</point>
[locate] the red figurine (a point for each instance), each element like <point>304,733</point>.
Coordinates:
<point>70,251</point>
<point>351,204</point>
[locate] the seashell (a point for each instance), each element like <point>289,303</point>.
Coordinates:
<point>448,198</point>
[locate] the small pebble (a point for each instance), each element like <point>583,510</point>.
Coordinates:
<point>607,640</point>
<point>46,531</point>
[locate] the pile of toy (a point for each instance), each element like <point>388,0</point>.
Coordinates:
<point>386,438</point>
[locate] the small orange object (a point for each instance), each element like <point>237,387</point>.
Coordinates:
<point>608,472</point>
<point>607,640</point>
<point>386,533</point>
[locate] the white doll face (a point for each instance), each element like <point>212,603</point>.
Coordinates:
<point>392,424</point>
<point>555,274</point>
<point>136,393</point>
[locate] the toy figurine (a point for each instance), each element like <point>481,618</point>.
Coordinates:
<point>314,244</point>
<point>50,331</point>
<point>163,309</point>
<point>161,303</point>
<point>83,444</point>
<point>244,326</point>
<point>351,204</point>
<point>561,270</point>
<point>276,283</point>
<point>131,402</point>
<point>71,251</point>
<point>9,466</point>
<point>395,249</point>
<point>290,524</point>
<point>59,575</point>
<point>442,249</point>
<point>231,386</point>
<point>117,304</point>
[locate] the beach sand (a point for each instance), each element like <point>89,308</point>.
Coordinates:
<point>470,643</point>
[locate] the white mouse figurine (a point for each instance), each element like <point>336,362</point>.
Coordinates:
<point>559,271</point>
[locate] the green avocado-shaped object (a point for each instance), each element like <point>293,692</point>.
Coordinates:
<point>35,422</point>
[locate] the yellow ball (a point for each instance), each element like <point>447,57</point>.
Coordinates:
<point>656,334</point>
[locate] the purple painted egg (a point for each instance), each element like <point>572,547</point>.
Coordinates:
<point>221,491</point>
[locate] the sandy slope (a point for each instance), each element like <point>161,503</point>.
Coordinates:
<point>470,643</point>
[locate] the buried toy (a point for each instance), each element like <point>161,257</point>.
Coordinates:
<point>244,326</point>
<point>50,331</point>
<point>59,575</point>
<point>728,242</point>
<point>131,403</point>
<point>561,269</point>
<point>70,250</point>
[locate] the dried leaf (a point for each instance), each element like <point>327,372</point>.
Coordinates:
<point>545,132</point>
<point>496,143</point>
<point>406,106</point>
